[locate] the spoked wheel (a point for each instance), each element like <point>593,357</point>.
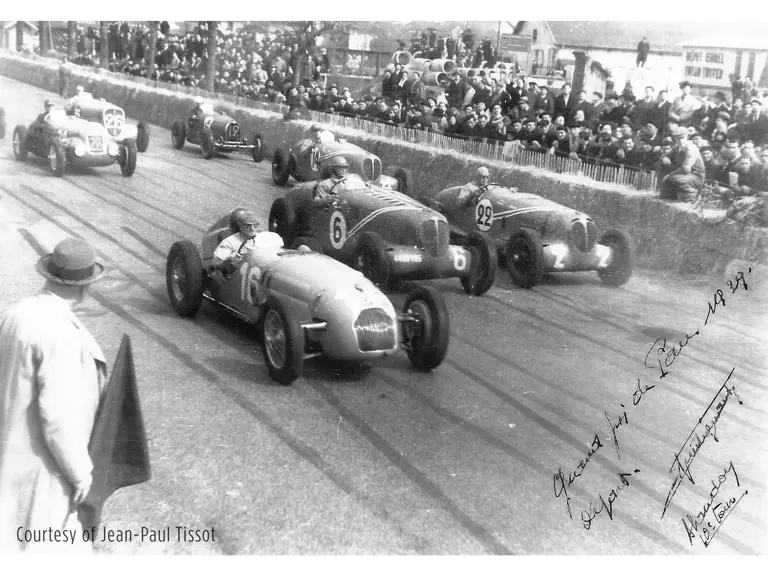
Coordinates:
<point>56,159</point>
<point>128,156</point>
<point>525,258</point>
<point>257,152</point>
<point>19,149</point>
<point>207,146</point>
<point>426,330</point>
<point>282,343</point>
<point>184,278</point>
<point>142,136</point>
<point>178,134</point>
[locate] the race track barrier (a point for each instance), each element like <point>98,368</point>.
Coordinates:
<point>666,235</point>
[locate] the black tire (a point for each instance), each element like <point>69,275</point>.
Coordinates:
<point>282,343</point>
<point>525,258</point>
<point>206,144</point>
<point>428,346</point>
<point>310,242</point>
<point>142,136</point>
<point>402,182</point>
<point>20,151</point>
<point>257,152</point>
<point>281,169</point>
<point>485,262</point>
<point>178,134</point>
<point>184,278</point>
<point>371,259</point>
<point>57,160</point>
<point>128,156</point>
<point>619,271</point>
<point>282,220</point>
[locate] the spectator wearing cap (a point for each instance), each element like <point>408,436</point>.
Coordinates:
<point>560,145</point>
<point>416,89</point>
<point>456,90</point>
<point>687,170</point>
<point>499,96</point>
<point>713,164</point>
<point>533,95</point>
<point>498,124</point>
<point>582,104</point>
<point>522,111</point>
<point>565,102</point>
<point>516,90</point>
<point>645,107</point>
<point>684,106</point>
<point>546,100</point>
<point>737,169</point>
<point>757,123</point>
<point>528,131</point>
<point>482,92</point>
<point>514,130</point>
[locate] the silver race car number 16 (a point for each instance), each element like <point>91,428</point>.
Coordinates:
<point>337,231</point>
<point>484,215</point>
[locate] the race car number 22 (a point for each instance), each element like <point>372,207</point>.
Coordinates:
<point>484,215</point>
<point>337,230</point>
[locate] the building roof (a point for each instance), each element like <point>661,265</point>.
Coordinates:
<point>662,36</point>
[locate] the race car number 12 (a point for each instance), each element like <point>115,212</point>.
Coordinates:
<point>338,230</point>
<point>484,215</point>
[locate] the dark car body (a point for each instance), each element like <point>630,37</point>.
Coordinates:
<point>214,132</point>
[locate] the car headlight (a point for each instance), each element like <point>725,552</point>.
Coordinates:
<point>80,150</point>
<point>113,149</point>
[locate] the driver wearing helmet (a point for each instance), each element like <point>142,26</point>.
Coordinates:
<point>229,252</point>
<point>318,136</point>
<point>327,189</point>
<point>472,191</point>
<point>197,111</point>
<point>38,123</point>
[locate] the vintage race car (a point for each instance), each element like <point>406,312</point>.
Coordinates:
<point>112,117</point>
<point>67,140</point>
<point>384,234</point>
<point>307,161</point>
<point>537,235</point>
<point>215,133</point>
<point>306,304</point>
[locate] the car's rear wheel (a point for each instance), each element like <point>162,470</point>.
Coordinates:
<point>282,220</point>
<point>281,169</point>
<point>128,155</point>
<point>56,158</point>
<point>426,342</point>
<point>282,343</point>
<point>309,242</point>
<point>178,134</point>
<point>20,151</point>
<point>142,136</point>
<point>184,278</point>
<point>257,152</point>
<point>371,259</point>
<point>619,271</point>
<point>525,258</point>
<point>485,261</point>
<point>206,144</point>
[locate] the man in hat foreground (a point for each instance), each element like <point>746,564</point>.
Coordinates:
<point>686,169</point>
<point>52,376</point>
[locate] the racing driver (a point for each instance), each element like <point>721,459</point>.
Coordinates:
<point>327,189</point>
<point>472,191</point>
<point>229,252</point>
<point>319,136</point>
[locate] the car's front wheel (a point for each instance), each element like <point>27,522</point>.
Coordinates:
<point>178,134</point>
<point>142,136</point>
<point>257,152</point>
<point>128,155</point>
<point>57,160</point>
<point>525,258</point>
<point>426,330</point>
<point>282,220</point>
<point>20,151</point>
<point>282,343</point>
<point>281,169</point>
<point>485,261</point>
<point>206,144</point>
<point>371,259</point>
<point>619,271</point>
<point>184,278</point>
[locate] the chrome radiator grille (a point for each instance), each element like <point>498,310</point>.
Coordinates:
<point>374,330</point>
<point>434,234</point>
<point>583,234</point>
<point>232,131</point>
<point>96,143</point>
<point>113,121</point>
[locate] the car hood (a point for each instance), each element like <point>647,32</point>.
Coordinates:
<point>78,126</point>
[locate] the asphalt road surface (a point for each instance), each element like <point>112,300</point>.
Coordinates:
<point>468,459</point>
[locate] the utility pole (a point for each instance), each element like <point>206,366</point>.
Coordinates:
<point>498,42</point>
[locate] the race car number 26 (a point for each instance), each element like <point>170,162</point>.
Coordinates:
<point>337,231</point>
<point>484,215</point>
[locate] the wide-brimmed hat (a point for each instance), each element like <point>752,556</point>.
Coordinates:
<point>72,263</point>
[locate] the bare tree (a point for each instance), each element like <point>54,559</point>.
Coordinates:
<point>19,35</point>
<point>42,41</point>
<point>71,39</point>
<point>305,34</point>
<point>210,63</point>
<point>104,45</point>
<point>152,47</point>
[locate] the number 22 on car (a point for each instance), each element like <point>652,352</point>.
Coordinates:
<point>484,215</point>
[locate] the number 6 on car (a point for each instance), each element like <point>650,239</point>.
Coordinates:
<point>338,230</point>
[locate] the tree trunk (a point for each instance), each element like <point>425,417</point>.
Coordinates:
<point>71,39</point>
<point>42,40</point>
<point>210,64</point>
<point>19,36</point>
<point>104,45</point>
<point>152,48</point>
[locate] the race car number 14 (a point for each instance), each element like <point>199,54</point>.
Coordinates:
<point>337,230</point>
<point>484,215</point>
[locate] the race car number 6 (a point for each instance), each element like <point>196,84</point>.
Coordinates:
<point>484,215</point>
<point>338,230</point>
<point>459,259</point>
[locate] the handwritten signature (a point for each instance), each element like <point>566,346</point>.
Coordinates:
<point>694,442</point>
<point>562,490</point>
<point>720,511</point>
<point>587,516</point>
